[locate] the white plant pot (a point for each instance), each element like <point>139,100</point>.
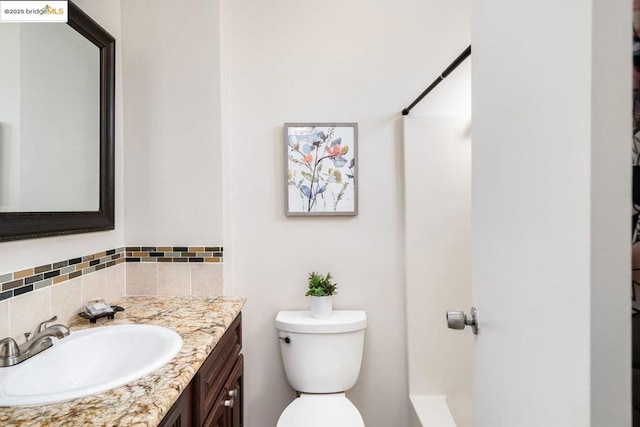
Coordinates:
<point>321,307</point>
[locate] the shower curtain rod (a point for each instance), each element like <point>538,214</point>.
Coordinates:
<point>459,60</point>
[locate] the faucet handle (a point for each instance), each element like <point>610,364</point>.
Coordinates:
<point>8,348</point>
<point>43,325</point>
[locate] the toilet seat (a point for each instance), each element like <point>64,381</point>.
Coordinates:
<point>321,410</point>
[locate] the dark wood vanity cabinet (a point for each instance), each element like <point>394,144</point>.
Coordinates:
<point>214,397</point>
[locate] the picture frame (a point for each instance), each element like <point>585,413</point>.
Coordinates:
<point>321,169</point>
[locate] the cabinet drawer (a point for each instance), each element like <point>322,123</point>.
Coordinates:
<point>210,379</point>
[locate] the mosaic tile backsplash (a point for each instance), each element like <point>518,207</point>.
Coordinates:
<point>23,281</point>
<point>173,254</point>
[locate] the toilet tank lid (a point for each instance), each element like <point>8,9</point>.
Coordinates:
<point>340,321</point>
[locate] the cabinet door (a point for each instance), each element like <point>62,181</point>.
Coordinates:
<point>219,416</point>
<point>228,411</point>
<point>235,391</point>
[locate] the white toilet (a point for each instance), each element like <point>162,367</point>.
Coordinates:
<point>322,359</point>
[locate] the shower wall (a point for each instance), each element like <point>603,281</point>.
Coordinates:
<point>437,155</point>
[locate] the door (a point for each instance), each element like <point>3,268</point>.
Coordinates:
<point>550,205</point>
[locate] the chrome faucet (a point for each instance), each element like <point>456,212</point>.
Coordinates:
<point>11,353</point>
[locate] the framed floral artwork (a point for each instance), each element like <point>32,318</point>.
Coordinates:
<point>321,169</point>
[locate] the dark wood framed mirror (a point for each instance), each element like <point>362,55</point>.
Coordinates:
<point>49,219</point>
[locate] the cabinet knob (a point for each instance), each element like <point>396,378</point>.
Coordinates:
<point>233,393</point>
<point>228,403</point>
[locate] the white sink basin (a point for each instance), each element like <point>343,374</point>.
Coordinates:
<point>88,362</point>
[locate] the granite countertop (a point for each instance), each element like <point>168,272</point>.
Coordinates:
<point>200,321</point>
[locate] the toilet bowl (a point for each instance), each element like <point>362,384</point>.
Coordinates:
<point>322,359</point>
<point>321,410</point>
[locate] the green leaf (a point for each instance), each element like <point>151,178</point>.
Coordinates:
<point>308,176</point>
<point>320,286</point>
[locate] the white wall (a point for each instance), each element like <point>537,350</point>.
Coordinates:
<point>23,254</point>
<point>171,60</point>
<point>551,197</point>
<point>331,61</point>
<point>437,170</point>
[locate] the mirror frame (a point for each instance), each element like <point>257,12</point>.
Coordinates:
<point>28,225</point>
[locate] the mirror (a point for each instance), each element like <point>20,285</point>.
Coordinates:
<point>56,128</point>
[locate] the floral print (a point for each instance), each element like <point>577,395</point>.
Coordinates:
<point>321,167</point>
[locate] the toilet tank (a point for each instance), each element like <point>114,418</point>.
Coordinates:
<point>321,355</point>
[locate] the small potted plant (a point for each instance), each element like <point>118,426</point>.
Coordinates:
<point>321,289</point>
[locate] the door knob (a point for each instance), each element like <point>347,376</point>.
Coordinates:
<point>456,319</point>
